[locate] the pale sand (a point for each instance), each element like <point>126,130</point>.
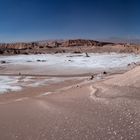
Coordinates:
<point>74,110</point>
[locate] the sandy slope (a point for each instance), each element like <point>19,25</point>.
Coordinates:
<point>88,111</point>
<point>131,78</point>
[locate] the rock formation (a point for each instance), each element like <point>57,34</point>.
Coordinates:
<point>62,46</point>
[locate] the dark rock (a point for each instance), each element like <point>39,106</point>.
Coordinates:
<point>92,77</point>
<point>26,53</point>
<point>87,55</point>
<point>1,51</point>
<point>43,61</point>
<point>3,62</point>
<point>104,72</point>
<point>76,52</point>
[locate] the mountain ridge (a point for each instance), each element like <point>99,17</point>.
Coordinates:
<point>67,46</point>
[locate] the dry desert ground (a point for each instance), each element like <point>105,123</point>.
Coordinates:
<point>76,103</point>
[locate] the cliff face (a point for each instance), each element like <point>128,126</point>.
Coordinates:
<point>17,45</point>
<point>72,43</point>
<point>65,43</point>
<point>59,46</point>
<point>82,42</point>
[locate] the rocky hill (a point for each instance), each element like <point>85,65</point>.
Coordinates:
<point>59,46</point>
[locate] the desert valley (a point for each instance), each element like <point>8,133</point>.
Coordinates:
<point>69,90</point>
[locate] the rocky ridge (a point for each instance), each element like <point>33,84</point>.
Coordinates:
<point>62,46</point>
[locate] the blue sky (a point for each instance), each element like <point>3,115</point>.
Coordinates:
<point>28,20</point>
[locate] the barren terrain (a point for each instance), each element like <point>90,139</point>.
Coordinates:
<point>67,46</point>
<point>70,97</point>
<point>86,109</point>
<point>78,90</point>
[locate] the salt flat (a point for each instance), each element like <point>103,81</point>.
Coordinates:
<point>60,64</point>
<point>66,63</point>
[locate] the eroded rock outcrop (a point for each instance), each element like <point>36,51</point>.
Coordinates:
<point>62,46</point>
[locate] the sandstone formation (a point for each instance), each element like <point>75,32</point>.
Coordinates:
<point>62,46</point>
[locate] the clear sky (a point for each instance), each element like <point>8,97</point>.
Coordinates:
<point>28,20</point>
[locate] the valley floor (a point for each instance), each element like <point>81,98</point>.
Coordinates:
<point>75,109</point>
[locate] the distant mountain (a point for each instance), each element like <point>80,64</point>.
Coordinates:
<point>123,40</point>
<point>55,43</point>
<point>67,46</point>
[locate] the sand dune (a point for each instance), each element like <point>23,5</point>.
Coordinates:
<point>130,78</point>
